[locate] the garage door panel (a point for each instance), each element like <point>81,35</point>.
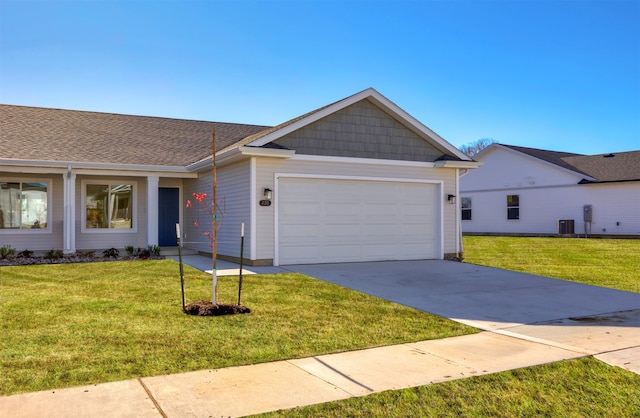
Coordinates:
<point>352,220</point>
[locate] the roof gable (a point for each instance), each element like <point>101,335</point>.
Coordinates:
<point>360,130</point>
<point>374,98</point>
<point>623,166</point>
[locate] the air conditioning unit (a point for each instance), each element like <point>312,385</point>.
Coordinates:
<point>566,227</point>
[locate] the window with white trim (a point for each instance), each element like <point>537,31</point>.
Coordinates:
<point>513,206</point>
<point>465,205</point>
<point>109,206</point>
<point>24,205</point>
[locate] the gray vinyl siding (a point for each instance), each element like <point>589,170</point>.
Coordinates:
<point>268,167</point>
<point>233,200</point>
<point>361,130</point>
<point>39,240</point>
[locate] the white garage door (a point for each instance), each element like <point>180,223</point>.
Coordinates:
<point>328,220</point>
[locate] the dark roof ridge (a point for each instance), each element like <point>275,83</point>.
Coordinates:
<point>525,149</point>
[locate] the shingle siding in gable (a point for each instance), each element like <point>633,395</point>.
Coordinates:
<point>361,130</point>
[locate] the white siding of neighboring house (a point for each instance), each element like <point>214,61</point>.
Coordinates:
<point>39,240</point>
<point>268,167</point>
<point>547,194</point>
<point>233,194</point>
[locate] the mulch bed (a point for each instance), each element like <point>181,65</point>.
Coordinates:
<point>207,308</point>
<point>68,259</point>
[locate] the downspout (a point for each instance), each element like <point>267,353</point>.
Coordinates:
<point>69,233</point>
<point>461,173</point>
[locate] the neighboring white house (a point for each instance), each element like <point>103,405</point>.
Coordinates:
<point>527,191</point>
<point>356,180</point>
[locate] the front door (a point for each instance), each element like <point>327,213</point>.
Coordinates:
<point>168,215</point>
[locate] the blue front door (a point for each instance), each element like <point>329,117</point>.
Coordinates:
<point>168,215</point>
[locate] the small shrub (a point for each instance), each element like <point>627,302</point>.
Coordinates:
<point>7,251</point>
<point>154,250</point>
<point>129,249</point>
<point>111,252</point>
<point>54,254</point>
<point>25,254</point>
<point>88,253</point>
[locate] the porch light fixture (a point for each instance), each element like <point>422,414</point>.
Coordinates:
<point>451,199</point>
<point>267,194</point>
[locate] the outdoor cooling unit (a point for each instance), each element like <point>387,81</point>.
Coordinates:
<point>566,227</point>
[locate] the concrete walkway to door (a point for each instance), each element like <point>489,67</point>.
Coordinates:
<point>588,319</point>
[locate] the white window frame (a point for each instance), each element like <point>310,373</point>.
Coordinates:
<point>513,207</point>
<point>134,208</point>
<point>48,229</point>
<point>469,209</point>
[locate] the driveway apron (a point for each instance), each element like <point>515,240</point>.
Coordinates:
<point>565,314</point>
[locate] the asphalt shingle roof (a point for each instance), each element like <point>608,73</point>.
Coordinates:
<point>610,167</point>
<point>42,134</point>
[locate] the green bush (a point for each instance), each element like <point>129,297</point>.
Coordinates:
<point>7,251</point>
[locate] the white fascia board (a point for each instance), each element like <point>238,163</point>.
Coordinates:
<point>239,153</point>
<point>35,166</point>
<point>494,147</point>
<point>266,152</point>
<point>381,101</point>
<point>458,164</point>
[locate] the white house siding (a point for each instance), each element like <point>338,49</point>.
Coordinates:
<point>233,198</point>
<point>104,239</point>
<point>616,209</point>
<point>547,194</point>
<point>268,167</point>
<point>504,169</point>
<point>39,240</point>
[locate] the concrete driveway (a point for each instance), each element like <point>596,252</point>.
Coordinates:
<point>589,319</point>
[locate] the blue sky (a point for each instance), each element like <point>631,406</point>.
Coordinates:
<point>561,75</point>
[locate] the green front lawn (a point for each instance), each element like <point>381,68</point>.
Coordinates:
<point>612,263</point>
<point>76,324</point>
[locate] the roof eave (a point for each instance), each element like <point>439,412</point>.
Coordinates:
<point>43,166</point>
<point>237,154</point>
<point>531,157</point>
<point>457,164</point>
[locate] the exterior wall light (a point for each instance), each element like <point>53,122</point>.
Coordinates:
<point>267,194</point>
<point>451,199</point>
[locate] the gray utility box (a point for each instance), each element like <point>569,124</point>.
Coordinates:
<point>566,227</point>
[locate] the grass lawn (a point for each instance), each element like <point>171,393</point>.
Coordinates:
<point>77,324</point>
<point>613,263</point>
<point>575,388</point>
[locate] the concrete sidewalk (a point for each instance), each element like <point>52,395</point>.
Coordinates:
<point>246,390</point>
<point>528,320</point>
